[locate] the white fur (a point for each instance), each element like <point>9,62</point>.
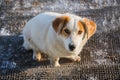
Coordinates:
<point>43,37</point>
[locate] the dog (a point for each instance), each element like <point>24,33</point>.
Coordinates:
<point>57,35</point>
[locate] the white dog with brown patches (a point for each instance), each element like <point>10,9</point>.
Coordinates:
<point>57,35</point>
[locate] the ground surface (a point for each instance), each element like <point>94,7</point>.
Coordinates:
<point>100,56</point>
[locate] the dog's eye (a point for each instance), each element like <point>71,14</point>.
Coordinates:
<point>79,32</point>
<point>67,31</point>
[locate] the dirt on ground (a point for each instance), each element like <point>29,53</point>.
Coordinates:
<point>100,58</point>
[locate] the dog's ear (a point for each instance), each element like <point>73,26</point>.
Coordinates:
<point>90,26</point>
<point>60,22</point>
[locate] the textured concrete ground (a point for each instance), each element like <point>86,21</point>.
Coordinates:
<point>100,56</point>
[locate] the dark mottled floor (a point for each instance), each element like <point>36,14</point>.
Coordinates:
<point>100,56</point>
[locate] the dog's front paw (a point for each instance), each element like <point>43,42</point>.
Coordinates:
<point>76,58</point>
<point>57,64</point>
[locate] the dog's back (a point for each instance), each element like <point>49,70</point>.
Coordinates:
<point>37,29</point>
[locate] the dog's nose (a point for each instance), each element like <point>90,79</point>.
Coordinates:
<point>71,46</point>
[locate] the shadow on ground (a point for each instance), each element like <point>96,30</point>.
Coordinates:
<point>100,60</point>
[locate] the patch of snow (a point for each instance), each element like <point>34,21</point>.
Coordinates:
<point>101,61</point>
<point>2,17</point>
<point>26,13</point>
<point>1,47</point>
<point>27,5</point>
<point>10,45</point>
<point>99,56</point>
<point>60,6</point>
<point>16,6</point>
<point>64,5</point>
<point>99,52</point>
<point>21,35</point>
<point>8,65</point>
<point>118,51</point>
<point>4,32</point>
<point>92,78</point>
<point>119,18</point>
<point>1,1</point>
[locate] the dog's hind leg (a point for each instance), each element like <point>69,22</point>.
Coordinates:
<point>29,44</point>
<point>27,38</point>
<point>36,55</point>
<point>26,45</point>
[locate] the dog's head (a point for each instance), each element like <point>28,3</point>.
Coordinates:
<point>73,31</point>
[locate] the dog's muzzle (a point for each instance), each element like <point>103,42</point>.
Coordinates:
<point>71,46</point>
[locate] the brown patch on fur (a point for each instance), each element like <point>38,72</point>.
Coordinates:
<point>81,26</point>
<point>60,22</point>
<point>91,26</point>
